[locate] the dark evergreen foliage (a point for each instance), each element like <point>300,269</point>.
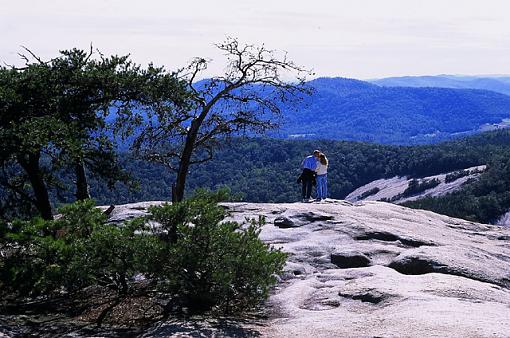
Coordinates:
<point>205,264</point>
<point>209,263</point>
<point>483,200</point>
<point>417,186</point>
<point>370,192</point>
<point>265,170</point>
<point>57,115</point>
<point>456,175</point>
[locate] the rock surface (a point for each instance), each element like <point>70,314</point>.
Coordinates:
<point>415,274</point>
<point>399,272</point>
<point>390,188</point>
<point>504,220</point>
<point>428,274</point>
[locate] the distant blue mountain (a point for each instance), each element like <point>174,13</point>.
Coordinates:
<point>500,84</point>
<point>354,110</point>
<point>347,109</point>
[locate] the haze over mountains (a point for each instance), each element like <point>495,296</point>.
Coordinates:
<point>348,109</point>
<point>496,83</point>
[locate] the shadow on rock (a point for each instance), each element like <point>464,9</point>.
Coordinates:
<point>202,328</point>
<point>389,237</point>
<point>346,259</point>
<point>367,296</point>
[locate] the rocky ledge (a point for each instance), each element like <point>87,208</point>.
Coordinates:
<point>376,269</point>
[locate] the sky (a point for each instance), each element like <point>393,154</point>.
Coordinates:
<point>361,39</point>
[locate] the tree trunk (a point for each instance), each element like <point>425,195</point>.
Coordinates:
<point>30,164</point>
<point>182,173</point>
<point>185,160</point>
<point>189,145</point>
<point>82,187</point>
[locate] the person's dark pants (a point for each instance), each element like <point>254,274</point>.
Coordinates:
<point>307,182</point>
<point>306,189</point>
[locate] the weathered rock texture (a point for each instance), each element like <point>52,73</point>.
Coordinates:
<point>375,269</point>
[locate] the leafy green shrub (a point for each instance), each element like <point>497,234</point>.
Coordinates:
<point>213,264</point>
<point>199,261</point>
<point>74,251</point>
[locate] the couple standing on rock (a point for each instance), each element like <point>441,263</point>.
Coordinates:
<point>315,171</point>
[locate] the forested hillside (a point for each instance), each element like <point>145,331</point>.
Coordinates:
<point>483,200</point>
<point>265,170</point>
<point>352,110</point>
<point>346,109</point>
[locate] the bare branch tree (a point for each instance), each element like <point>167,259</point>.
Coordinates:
<point>244,99</point>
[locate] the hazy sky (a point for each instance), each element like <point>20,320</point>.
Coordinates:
<point>350,38</point>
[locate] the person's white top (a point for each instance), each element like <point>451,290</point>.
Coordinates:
<point>321,169</point>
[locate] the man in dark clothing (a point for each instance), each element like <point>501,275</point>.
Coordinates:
<point>308,175</point>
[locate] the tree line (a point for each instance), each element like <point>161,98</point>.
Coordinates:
<point>265,169</point>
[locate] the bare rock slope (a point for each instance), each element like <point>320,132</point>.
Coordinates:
<point>393,188</point>
<point>378,269</point>
<point>402,272</point>
<point>504,220</point>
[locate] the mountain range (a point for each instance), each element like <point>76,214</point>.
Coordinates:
<point>495,83</point>
<point>348,109</point>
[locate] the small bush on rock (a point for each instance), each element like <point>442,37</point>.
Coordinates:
<point>212,264</point>
<point>370,192</point>
<point>77,250</point>
<point>194,258</point>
